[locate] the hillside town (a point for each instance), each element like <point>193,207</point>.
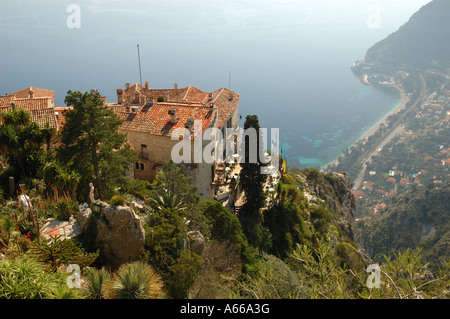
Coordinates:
<point>418,157</point>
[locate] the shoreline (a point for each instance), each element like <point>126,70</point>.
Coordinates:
<point>402,105</point>
<point>374,128</point>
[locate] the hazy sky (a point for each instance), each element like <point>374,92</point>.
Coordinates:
<point>46,43</point>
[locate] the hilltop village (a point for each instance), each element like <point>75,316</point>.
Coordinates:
<point>149,117</point>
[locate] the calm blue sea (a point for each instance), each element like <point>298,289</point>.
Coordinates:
<point>288,59</point>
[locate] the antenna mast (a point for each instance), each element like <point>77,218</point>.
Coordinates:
<point>139,60</point>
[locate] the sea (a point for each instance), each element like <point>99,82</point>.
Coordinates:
<point>288,59</point>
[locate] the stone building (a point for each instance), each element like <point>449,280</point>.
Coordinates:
<point>150,116</point>
<point>38,102</point>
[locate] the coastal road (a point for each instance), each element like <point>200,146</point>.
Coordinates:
<point>374,151</point>
<point>397,128</point>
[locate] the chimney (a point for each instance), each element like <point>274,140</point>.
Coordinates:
<point>173,116</point>
<point>189,124</point>
<point>31,94</point>
<point>146,85</point>
<point>119,96</point>
<point>175,86</point>
<point>127,85</point>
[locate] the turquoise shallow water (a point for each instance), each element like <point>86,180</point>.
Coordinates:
<point>318,142</point>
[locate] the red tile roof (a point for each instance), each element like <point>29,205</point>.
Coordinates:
<point>155,119</point>
<point>33,104</point>
<point>37,92</point>
<point>225,100</point>
<point>6,100</point>
<point>41,108</point>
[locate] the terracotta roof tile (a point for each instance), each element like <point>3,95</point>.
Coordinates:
<point>225,100</point>
<point>33,104</point>
<point>41,108</point>
<point>6,100</point>
<point>25,93</point>
<point>156,119</point>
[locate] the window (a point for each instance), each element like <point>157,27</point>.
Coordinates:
<point>229,123</point>
<point>137,165</point>
<point>142,166</point>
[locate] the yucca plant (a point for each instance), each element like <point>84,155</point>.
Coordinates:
<point>95,283</point>
<point>136,280</point>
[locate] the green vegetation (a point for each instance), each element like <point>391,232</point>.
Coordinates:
<point>133,281</point>
<point>92,146</point>
<point>301,246</point>
<point>311,254</point>
<point>415,219</point>
<point>420,43</point>
<point>252,182</point>
<point>117,200</point>
<point>403,201</point>
<point>22,144</point>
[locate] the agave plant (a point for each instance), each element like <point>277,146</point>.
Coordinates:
<point>136,280</point>
<point>169,200</point>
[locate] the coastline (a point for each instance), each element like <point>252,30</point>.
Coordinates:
<point>404,100</point>
<point>374,128</point>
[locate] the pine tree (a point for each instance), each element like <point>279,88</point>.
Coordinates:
<point>92,145</point>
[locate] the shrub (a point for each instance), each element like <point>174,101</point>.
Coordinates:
<point>135,280</point>
<point>62,252</point>
<point>117,200</point>
<point>26,278</point>
<point>95,283</point>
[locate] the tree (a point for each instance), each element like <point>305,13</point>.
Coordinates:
<point>173,179</point>
<point>252,181</point>
<point>22,141</point>
<point>62,252</point>
<point>55,174</point>
<point>92,145</point>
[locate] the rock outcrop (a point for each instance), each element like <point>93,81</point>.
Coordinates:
<point>196,242</point>
<point>115,230</point>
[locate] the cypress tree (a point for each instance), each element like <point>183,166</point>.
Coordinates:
<point>252,182</point>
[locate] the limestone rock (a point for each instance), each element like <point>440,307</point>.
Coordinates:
<point>83,215</point>
<point>66,229</point>
<point>119,234</point>
<point>196,242</point>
